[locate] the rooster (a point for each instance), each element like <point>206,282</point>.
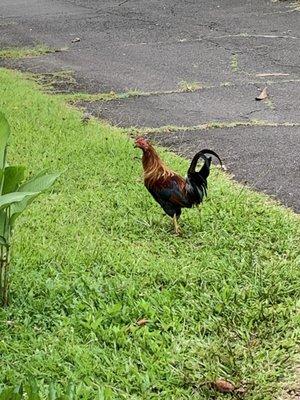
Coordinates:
<point>169,189</point>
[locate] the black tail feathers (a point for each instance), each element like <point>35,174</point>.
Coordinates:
<point>204,171</point>
<point>200,178</point>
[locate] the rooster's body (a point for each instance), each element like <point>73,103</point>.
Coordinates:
<point>169,189</point>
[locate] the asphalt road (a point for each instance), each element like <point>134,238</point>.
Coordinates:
<point>163,47</point>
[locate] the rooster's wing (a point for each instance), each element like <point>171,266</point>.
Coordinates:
<point>171,195</point>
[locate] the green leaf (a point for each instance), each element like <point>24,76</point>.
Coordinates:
<point>37,185</point>
<point>3,241</point>
<point>3,225</point>
<point>10,199</point>
<point>13,176</point>
<point>4,135</point>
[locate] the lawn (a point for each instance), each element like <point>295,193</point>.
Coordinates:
<point>96,255</point>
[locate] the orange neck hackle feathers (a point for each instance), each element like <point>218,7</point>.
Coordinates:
<point>154,169</point>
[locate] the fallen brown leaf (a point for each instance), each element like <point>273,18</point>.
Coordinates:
<point>223,386</point>
<point>142,322</point>
<point>263,94</point>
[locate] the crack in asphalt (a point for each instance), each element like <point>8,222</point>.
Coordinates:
<point>212,39</point>
<point>247,35</point>
<point>210,126</point>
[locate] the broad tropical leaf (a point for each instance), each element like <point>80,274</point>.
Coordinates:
<point>15,197</point>
<point>10,200</point>
<point>13,176</point>
<point>4,135</point>
<point>37,185</point>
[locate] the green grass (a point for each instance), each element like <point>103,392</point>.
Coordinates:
<point>234,63</point>
<point>23,52</point>
<point>185,86</point>
<point>96,255</point>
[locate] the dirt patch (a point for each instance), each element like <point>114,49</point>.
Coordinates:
<point>293,391</point>
<point>57,82</point>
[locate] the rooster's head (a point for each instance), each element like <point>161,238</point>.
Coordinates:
<point>142,143</point>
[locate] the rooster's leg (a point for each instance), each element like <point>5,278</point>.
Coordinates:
<point>176,226</point>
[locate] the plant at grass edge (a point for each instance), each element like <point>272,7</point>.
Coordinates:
<point>30,390</point>
<point>15,196</point>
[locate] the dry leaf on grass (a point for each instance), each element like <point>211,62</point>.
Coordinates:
<point>223,386</point>
<point>142,322</point>
<point>263,94</point>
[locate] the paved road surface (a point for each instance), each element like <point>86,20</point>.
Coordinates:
<point>153,46</point>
